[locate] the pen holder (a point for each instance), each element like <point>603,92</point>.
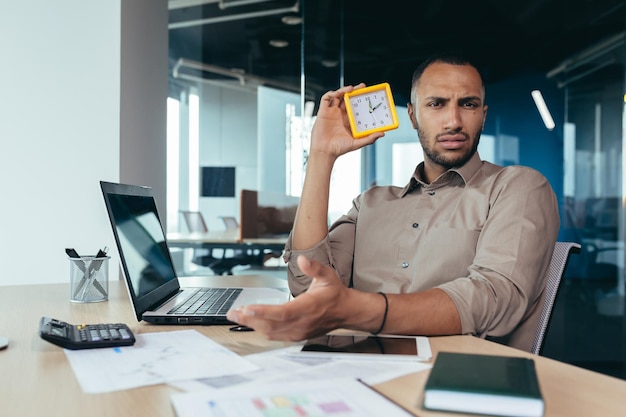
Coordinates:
<point>89,279</point>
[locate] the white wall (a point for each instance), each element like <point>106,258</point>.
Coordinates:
<point>60,131</point>
<point>244,129</point>
<point>228,137</point>
<point>272,123</point>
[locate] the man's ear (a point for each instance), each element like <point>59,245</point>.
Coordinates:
<point>484,116</point>
<point>411,112</point>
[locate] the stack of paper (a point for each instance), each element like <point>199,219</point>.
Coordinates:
<point>327,397</point>
<point>155,358</point>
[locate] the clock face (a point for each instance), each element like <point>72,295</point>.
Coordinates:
<point>370,110</point>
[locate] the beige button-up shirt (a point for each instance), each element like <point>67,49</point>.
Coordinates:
<point>482,233</point>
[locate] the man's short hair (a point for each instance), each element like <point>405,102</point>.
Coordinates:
<point>444,58</point>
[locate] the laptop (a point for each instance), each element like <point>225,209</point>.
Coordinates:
<point>153,287</point>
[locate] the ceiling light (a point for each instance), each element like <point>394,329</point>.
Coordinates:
<point>543,109</point>
<point>279,43</point>
<point>329,63</point>
<point>291,20</point>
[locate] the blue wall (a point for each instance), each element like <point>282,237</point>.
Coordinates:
<point>512,111</point>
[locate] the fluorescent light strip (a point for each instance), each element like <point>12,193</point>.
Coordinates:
<point>543,109</point>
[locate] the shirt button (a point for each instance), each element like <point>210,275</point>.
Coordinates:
<point>431,193</point>
<point>405,265</point>
<point>415,225</point>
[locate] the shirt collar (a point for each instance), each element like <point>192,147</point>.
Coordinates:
<point>465,172</point>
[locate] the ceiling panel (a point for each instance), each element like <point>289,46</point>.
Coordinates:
<point>374,41</point>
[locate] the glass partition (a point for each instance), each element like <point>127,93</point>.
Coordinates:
<point>257,118</point>
<point>592,298</point>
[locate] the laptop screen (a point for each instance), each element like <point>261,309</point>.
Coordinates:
<point>141,243</point>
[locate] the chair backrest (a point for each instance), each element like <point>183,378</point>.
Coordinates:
<point>560,256</point>
<point>230,222</point>
<point>195,221</point>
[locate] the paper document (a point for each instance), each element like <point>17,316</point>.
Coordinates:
<point>278,365</point>
<point>155,358</point>
<point>319,398</point>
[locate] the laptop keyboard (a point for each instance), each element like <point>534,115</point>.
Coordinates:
<point>208,301</point>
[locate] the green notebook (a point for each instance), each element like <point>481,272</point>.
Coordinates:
<point>484,384</point>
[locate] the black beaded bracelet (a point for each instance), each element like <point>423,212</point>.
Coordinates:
<point>380,329</point>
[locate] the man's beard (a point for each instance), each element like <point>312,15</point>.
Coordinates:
<point>440,159</point>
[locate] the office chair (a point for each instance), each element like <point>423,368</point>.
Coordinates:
<point>560,257</point>
<point>256,257</point>
<point>219,265</point>
<point>230,222</point>
<point>195,223</point>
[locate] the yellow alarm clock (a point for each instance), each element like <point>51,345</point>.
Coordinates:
<point>371,109</point>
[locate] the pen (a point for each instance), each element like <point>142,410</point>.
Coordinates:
<point>96,264</point>
<point>102,252</point>
<point>71,252</point>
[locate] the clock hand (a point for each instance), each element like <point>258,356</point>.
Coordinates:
<point>369,103</point>
<point>377,106</point>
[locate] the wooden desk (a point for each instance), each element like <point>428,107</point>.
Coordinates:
<point>37,379</point>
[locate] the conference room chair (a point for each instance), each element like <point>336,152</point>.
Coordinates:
<point>220,265</point>
<point>196,224</point>
<point>558,264</point>
<point>230,222</point>
<point>256,257</point>
<point>194,221</point>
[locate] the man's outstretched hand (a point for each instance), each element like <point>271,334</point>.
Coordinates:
<point>319,310</point>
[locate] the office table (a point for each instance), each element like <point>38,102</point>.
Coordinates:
<point>37,379</point>
<point>226,239</point>
<point>229,239</point>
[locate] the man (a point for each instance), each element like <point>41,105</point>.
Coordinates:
<point>462,249</point>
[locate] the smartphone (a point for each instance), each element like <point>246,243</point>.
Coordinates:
<point>367,347</point>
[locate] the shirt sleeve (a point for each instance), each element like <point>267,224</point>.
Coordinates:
<point>335,250</point>
<point>513,252</point>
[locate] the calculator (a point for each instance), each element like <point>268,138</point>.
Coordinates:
<point>85,336</point>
